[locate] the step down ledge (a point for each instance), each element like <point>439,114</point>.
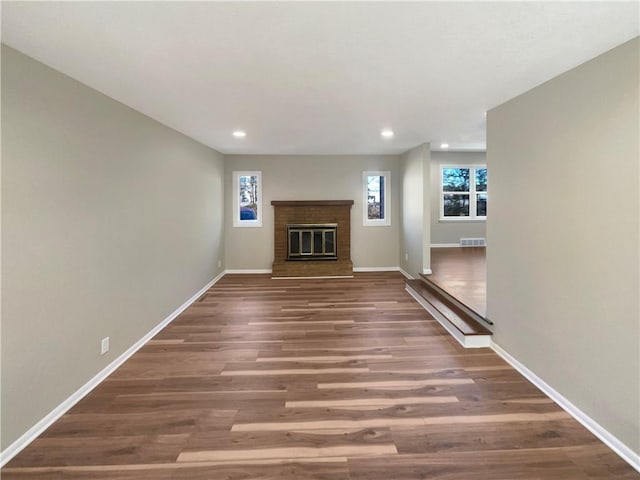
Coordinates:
<point>438,290</point>
<point>467,341</point>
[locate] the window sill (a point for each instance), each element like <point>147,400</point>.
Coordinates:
<point>462,220</point>
<point>247,225</point>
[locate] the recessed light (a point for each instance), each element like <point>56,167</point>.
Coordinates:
<point>387,133</point>
<point>239,134</point>
<point>444,145</point>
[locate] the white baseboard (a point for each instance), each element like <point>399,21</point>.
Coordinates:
<point>383,269</point>
<point>30,435</point>
<point>376,269</point>
<point>626,453</point>
<point>406,274</point>
<point>248,270</point>
<point>355,269</point>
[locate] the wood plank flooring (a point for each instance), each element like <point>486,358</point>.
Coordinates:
<point>462,272</point>
<point>341,379</point>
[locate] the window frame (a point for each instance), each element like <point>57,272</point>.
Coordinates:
<point>473,194</point>
<point>237,222</point>
<point>386,220</point>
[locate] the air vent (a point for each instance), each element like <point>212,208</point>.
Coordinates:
<point>472,242</point>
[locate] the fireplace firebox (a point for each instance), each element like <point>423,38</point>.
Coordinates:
<point>312,241</point>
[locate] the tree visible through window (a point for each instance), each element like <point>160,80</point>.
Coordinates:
<point>375,197</point>
<point>248,197</point>
<point>246,191</point>
<point>464,193</point>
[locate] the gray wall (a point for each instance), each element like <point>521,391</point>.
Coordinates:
<point>448,232</point>
<point>110,221</point>
<point>293,177</point>
<point>415,225</point>
<point>563,256</point>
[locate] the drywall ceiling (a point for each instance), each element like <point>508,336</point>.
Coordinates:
<point>317,77</point>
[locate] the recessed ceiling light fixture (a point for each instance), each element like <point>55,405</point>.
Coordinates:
<point>444,145</point>
<point>387,133</point>
<point>239,134</point>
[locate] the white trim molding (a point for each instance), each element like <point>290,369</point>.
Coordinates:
<point>444,245</point>
<point>257,182</point>
<point>472,193</point>
<point>383,269</point>
<point>385,199</point>
<point>30,435</point>
<point>610,440</point>
<point>406,274</point>
<point>376,269</point>
<point>463,220</point>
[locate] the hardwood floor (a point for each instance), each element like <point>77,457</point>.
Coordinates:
<point>341,379</point>
<point>462,272</point>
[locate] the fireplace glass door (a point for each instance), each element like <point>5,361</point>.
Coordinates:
<point>312,242</point>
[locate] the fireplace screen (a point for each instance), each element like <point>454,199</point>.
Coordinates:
<point>312,242</point>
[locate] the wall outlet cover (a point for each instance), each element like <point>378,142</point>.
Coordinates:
<point>104,345</point>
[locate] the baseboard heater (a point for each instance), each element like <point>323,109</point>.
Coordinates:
<point>473,242</point>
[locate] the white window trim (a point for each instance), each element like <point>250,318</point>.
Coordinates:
<point>386,221</point>
<point>472,195</point>
<point>236,200</point>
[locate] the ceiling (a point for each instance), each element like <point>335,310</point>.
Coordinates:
<point>317,77</point>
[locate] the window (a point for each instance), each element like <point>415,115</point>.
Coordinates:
<point>376,198</point>
<point>247,199</point>
<point>463,193</point>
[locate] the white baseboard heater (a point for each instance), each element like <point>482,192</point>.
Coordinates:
<point>473,242</point>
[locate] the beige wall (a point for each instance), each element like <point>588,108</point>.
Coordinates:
<point>292,177</point>
<point>563,252</point>
<point>415,225</point>
<point>448,232</point>
<point>110,221</point>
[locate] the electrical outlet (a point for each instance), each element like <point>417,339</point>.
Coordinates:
<point>104,345</point>
<point>219,263</point>
<point>406,257</point>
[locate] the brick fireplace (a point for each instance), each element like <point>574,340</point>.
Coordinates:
<point>312,238</point>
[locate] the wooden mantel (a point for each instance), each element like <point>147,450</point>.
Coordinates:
<point>287,212</point>
<point>310,203</point>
